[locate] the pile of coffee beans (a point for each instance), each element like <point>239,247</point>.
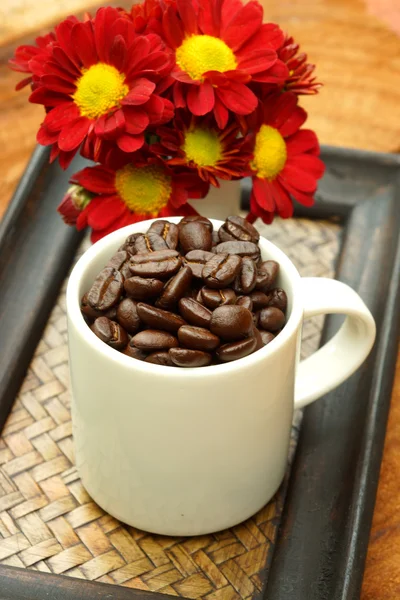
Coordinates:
<point>187,296</point>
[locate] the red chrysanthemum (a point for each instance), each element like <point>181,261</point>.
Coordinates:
<point>144,189</point>
<point>300,79</point>
<point>24,54</point>
<point>99,78</point>
<point>73,203</point>
<point>198,143</point>
<point>285,160</point>
<point>220,47</point>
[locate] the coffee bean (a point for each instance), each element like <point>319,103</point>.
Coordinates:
<point>196,259</point>
<point>278,298</point>
<point>106,289</point>
<point>237,228</point>
<point>140,288</point>
<point>175,288</point>
<point>259,300</point>
<point>271,318</point>
<point>246,280</point>
<point>197,219</point>
<point>257,335</point>
<point>111,313</point>
<point>256,317</point>
<point>168,231</point>
<point>183,357</point>
<point>127,315</point>
<point>150,242</point>
<point>194,236</point>
<point>221,270</point>
<point>245,301</point>
<point>240,248</point>
<point>160,263</point>
<point>89,312</point>
<point>156,318</point>
<point>197,338</point>
<point>194,312</point>
<point>236,350</point>
<point>231,323</point>
<point>129,244</point>
<point>135,352</point>
<point>215,298</point>
<point>267,273</point>
<point>160,358</point>
<point>266,337</point>
<point>151,340</point>
<point>119,259</point>
<point>110,332</point>
<point>215,238</point>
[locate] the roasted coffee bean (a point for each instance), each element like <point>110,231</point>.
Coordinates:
<point>215,298</point>
<point>256,317</point>
<point>271,318</point>
<point>197,219</point>
<point>246,279</point>
<point>150,242</point>
<point>111,313</point>
<point>183,357</point>
<point>168,231</point>
<point>89,312</point>
<point>160,263</point>
<point>110,332</point>
<point>259,300</point>
<point>129,244</point>
<point>231,323</point>
<point>140,288</point>
<point>194,312</point>
<point>196,259</point>
<point>156,318</point>
<point>160,358</point>
<point>221,270</point>
<point>236,350</point>
<point>267,273</point>
<point>266,337</point>
<point>152,340</point>
<point>237,228</point>
<point>175,288</point>
<point>245,301</point>
<point>240,248</point>
<point>197,338</point>
<point>278,298</point>
<point>134,352</point>
<point>106,290</point>
<point>119,259</point>
<point>215,238</point>
<point>195,236</point>
<point>256,334</point>
<point>127,315</point>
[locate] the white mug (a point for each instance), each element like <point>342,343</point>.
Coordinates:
<point>181,451</point>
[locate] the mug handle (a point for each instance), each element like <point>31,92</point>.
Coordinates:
<point>346,351</point>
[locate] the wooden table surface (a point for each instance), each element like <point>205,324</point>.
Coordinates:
<point>358,59</point>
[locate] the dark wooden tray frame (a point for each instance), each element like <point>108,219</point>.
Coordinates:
<point>323,538</point>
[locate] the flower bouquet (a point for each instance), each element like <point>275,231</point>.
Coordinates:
<point>168,99</point>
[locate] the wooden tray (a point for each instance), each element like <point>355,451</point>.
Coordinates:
<point>326,516</point>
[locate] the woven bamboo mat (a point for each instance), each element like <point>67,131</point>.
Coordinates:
<point>49,523</point>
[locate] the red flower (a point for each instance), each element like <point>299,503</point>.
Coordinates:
<point>24,54</point>
<point>134,192</point>
<point>285,160</point>
<point>300,80</point>
<point>221,46</point>
<point>199,144</point>
<point>74,201</point>
<point>99,78</point>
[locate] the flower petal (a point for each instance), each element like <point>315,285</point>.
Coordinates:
<point>60,116</point>
<point>173,31</point>
<point>57,84</point>
<point>82,39</point>
<point>268,36</point>
<point>102,23</point>
<point>209,16</point>
<point>258,61</point>
<point>106,212</point>
<point>263,195</point>
<point>98,179</point>
<point>109,126</point>
<point>298,179</point>
<point>140,92</point>
<point>283,201</point>
<point>295,121</point>
<point>243,25</point>
<point>117,53</point>
<point>221,113</point>
<point>129,143</point>
<point>200,99</point>
<point>188,16</point>
<point>136,119</point>
<point>73,134</point>
<point>45,137</point>
<point>238,98</point>
<point>302,141</point>
<point>44,96</point>
<point>309,163</point>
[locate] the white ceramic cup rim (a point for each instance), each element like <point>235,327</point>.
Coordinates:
<point>116,238</point>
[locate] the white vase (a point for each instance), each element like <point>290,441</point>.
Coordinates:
<point>220,202</point>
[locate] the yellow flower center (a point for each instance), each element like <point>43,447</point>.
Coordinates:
<point>203,147</point>
<point>201,53</point>
<point>100,88</point>
<point>269,153</point>
<point>145,190</point>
